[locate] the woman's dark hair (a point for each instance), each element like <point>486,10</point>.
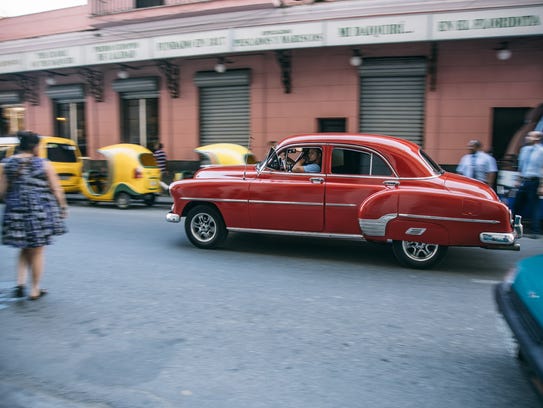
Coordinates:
<point>27,140</point>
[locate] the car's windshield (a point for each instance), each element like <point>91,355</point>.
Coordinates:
<point>270,158</point>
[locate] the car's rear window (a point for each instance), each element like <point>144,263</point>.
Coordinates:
<point>58,152</point>
<point>435,167</point>
<point>148,160</point>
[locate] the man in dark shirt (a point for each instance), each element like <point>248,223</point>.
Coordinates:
<point>161,159</point>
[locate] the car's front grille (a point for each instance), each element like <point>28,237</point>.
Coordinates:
<point>532,326</point>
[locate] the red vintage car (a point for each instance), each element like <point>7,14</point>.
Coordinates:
<point>370,187</point>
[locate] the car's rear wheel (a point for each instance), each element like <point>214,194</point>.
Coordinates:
<point>418,255</point>
<point>123,200</point>
<point>205,227</point>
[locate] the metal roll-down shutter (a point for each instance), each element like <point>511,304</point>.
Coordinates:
<point>392,97</point>
<point>224,107</point>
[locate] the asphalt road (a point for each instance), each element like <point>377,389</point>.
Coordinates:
<point>137,317</point>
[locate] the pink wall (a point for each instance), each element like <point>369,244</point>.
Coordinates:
<point>71,19</point>
<point>79,18</point>
<point>470,82</point>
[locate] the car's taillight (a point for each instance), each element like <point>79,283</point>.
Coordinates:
<point>138,173</point>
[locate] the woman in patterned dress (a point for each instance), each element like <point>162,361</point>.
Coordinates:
<point>34,212</point>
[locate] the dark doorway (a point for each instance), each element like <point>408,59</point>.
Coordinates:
<point>332,125</point>
<point>505,123</point>
<point>149,3</point>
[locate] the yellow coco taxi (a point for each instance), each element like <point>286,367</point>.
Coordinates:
<point>63,154</point>
<point>127,172</point>
<point>225,154</point>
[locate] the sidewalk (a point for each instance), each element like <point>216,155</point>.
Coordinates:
<point>161,200</point>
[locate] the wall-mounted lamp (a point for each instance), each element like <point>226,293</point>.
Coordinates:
<point>123,74</point>
<point>220,66</point>
<point>503,52</point>
<point>123,71</point>
<point>356,59</point>
<point>51,77</point>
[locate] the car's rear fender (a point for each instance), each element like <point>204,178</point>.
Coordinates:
<point>379,220</point>
<point>424,215</point>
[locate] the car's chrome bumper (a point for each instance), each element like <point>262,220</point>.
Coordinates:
<point>504,240</point>
<point>172,217</point>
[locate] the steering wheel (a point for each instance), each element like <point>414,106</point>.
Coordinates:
<point>289,164</point>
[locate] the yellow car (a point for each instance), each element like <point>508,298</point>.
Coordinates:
<point>128,172</point>
<point>65,157</point>
<point>225,154</point>
<point>63,154</point>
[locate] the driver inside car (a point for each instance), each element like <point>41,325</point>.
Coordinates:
<point>310,163</point>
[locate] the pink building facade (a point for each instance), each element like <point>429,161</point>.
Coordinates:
<point>252,72</point>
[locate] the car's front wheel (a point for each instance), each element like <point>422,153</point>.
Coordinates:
<point>205,227</point>
<point>418,255</point>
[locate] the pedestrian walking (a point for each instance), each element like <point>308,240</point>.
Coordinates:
<point>162,161</point>
<point>35,208</point>
<point>478,164</point>
<point>530,165</point>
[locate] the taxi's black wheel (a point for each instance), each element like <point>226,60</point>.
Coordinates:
<point>418,255</point>
<point>149,199</point>
<point>123,200</point>
<point>205,227</point>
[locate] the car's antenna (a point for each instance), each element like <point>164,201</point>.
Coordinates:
<point>247,156</point>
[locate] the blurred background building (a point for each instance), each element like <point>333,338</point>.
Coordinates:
<point>194,72</point>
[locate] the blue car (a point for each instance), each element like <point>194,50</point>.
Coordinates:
<point>519,299</point>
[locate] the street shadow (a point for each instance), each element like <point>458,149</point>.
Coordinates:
<point>309,247</point>
<point>460,260</point>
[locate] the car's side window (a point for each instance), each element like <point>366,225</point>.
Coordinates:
<point>287,158</point>
<point>355,162</point>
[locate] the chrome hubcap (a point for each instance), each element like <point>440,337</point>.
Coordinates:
<point>419,251</point>
<point>203,227</point>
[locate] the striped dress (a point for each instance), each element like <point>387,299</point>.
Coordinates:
<point>32,215</point>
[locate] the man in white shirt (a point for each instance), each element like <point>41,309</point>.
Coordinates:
<point>478,164</point>
<point>530,165</point>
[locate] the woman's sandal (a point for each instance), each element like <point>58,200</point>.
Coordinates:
<point>19,291</point>
<point>42,293</point>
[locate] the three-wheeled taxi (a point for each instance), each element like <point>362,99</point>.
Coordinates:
<point>224,154</point>
<point>128,172</point>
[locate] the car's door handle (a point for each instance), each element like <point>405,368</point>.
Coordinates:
<point>316,180</point>
<point>391,183</point>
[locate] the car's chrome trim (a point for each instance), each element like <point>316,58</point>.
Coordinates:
<point>341,205</point>
<point>375,227</point>
<point>435,217</point>
<point>299,233</point>
<point>231,200</point>
<point>518,227</point>
<point>415,231</point>
<point>285,202</point>
<point>220,200</point>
